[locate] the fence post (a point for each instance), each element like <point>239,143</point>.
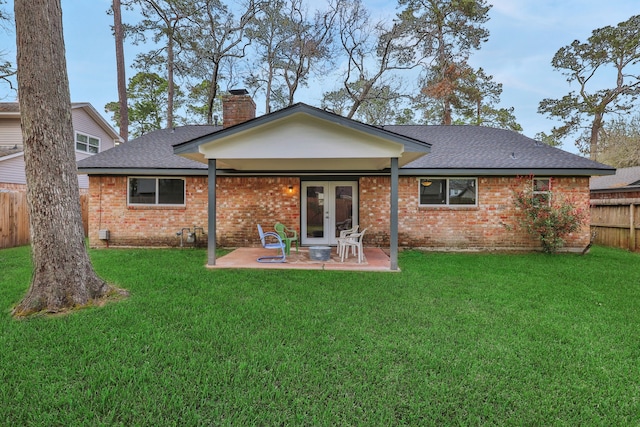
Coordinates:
<point>632,227</point>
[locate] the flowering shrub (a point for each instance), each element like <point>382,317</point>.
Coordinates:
<point>549,218</point>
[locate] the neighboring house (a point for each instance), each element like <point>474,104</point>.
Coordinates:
<point>92,135</point>
<point>625,184</point>
<point>436,187</point>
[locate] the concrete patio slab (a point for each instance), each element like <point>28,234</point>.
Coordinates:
<point>375,259</point>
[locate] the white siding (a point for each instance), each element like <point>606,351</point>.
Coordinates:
<point>10,132</point>
<point>12,170</point>
<point>83,181</point>
<point>83,123</point>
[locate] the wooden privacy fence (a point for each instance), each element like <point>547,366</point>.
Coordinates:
<point>14,218</point>
<point>616,222</point>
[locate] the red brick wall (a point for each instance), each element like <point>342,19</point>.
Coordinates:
<point>237,109</point>
<point>490,225</point>
<point>244,202</point>
<point>138,225</point>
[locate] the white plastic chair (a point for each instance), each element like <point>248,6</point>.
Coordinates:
<point>343,237</point>
<point>353,241</point>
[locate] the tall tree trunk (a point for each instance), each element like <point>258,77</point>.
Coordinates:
<point>170,85</point>
<point>213,92</point>
<point>63,276</point>
<point>596,125</point>
<point>122,81</point>
<point>267,96</point>
<point>446,112</point>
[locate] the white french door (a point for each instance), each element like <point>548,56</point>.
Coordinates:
<point>327,208</point>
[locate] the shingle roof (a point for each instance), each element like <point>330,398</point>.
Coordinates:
<point>9,107</point>
<point>151,151</point>
<point>14,107</point>
<point>7,151</point>
<point>624,178</point>
<point>469,148</point>
<point>479,147</point>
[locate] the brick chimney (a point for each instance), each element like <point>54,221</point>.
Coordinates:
<point>237,107</point>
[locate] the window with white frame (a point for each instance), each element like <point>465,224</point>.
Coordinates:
<point>86,143</point>
<point>542,190</point>
<point>156,191</point>
<point>448,191</point>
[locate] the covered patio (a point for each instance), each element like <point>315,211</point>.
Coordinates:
<point>306,143</point>
<point>375,259</point>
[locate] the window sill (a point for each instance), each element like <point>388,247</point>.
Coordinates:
<point>449,208</point>
<point>155,207</point>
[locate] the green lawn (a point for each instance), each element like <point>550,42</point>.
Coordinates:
<point>462,339</point>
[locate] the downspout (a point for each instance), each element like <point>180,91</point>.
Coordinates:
<point>393,250</point>
<point>211,221</point>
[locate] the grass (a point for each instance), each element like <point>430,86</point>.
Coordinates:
<point>463,339</point>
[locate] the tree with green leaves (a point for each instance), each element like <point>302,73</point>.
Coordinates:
<point>479,96</point>
<point>148,102</point>
<point>619,142</point>
<point>118,35</point>
<point>165,20</point>
<point>548,139</point>
<point>445,32</point>
<point>198,108</point>
<point>610,52</point>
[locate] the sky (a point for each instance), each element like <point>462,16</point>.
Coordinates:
<point>524,36</point>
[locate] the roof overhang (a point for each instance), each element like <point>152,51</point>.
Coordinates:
<point>303,138</point>
<point>143,171</point>
<point>12,156</point>
<point>616,190</point>
<point>506,172</point>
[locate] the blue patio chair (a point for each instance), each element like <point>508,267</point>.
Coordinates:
<point>271,240</point>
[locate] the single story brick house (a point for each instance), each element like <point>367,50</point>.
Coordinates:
<point>625,184</point>
<point>434,187</point>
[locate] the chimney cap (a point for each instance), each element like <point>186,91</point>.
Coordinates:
<point>239,92</point>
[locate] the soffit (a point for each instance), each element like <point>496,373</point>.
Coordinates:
<point>301,142</point>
